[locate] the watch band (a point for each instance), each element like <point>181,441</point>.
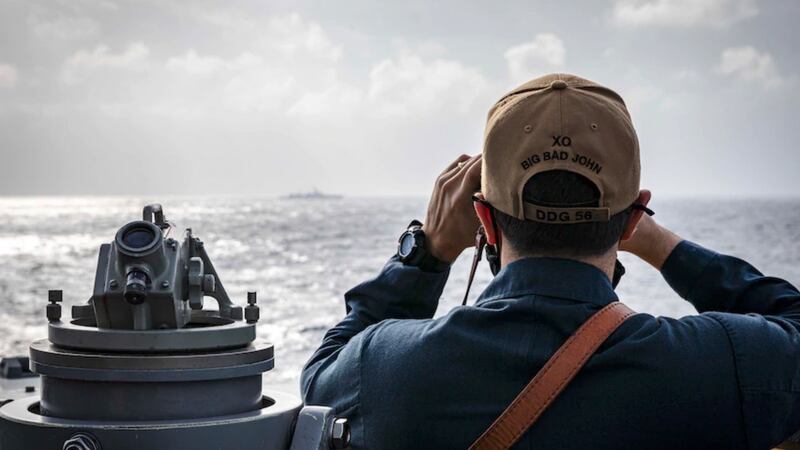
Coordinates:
<point>430,263</point>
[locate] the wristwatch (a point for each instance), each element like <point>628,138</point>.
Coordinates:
<point>412,251</point>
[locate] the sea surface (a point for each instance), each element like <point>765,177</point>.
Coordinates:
<point>302,255</point>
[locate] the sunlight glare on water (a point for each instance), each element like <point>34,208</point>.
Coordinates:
<point>303,255</point>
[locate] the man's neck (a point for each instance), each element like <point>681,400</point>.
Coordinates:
<point>603,262</point>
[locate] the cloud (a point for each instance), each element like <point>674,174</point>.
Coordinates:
<point>683,13</point>
<point>194,64</point>
<point>409,85</point>
<point>406,85</point>
<point>85,62</point>
<point>643,95</point>
<point>639,96</point>
<point>283,68</point>
<point>289,34</point>
<point>255,85</point>
<point>685,74</point>
<point>251,82</point>
<point>83,5</point>
<point>8,76</point>
<point>63,28</point>
<point>544,54</point>
<point>748,64</point>
<point>332,98</point>
<point>289,66</point>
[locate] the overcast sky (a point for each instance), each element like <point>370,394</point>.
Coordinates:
<point>374,98</point>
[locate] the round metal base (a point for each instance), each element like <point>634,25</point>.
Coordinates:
<point>123,386</point>
<point>204,333</point>
<point>268,428</point>
<point>48,359</point>
<point>134,401</point>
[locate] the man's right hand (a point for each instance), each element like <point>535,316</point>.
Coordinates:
<point>451,223</point>
<point>651,242</point>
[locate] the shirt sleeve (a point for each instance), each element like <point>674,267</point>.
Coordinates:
<point>761,316</point>
<point>331,376</point>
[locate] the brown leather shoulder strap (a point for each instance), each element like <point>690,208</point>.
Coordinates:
<point>559,370</point>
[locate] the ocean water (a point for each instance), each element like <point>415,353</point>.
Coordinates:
<point>302,255</point>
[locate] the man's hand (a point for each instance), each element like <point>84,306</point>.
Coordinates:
<point>451,223</point>
<point>651,242</point>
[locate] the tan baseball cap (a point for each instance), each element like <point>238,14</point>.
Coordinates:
<point>560,122</point>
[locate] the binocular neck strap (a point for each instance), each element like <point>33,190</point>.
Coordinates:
<point>480,242</point>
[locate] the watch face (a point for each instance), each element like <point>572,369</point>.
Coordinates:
<point>406,245</point>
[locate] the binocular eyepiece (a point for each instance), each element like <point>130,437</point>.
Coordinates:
<point>135,291</point>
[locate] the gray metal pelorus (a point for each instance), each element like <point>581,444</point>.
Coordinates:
<point>144,364</point>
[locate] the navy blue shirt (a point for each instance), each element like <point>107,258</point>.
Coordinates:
<point>726,378</point>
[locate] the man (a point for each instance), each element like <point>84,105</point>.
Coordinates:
<point>559,197</point>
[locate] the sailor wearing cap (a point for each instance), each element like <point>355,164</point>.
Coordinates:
<point>548,357</point>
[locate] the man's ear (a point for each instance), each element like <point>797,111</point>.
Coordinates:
<point>486,217</point>
<point>636,215</point>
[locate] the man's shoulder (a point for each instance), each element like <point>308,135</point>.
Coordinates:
<point>471,325</point>
<point>406,344</point>
<point>695,344</point>
<point>408,363</point>
<point>704,327</point>
<point>414,332</point>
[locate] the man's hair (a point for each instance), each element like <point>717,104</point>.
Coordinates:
<point>561,188</point>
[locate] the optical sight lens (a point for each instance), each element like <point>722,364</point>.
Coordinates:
<point>138,237</point>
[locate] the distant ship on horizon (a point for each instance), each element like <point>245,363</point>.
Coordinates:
<point>313,194</point>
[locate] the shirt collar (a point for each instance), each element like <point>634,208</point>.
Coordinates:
<point>552,277</point>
